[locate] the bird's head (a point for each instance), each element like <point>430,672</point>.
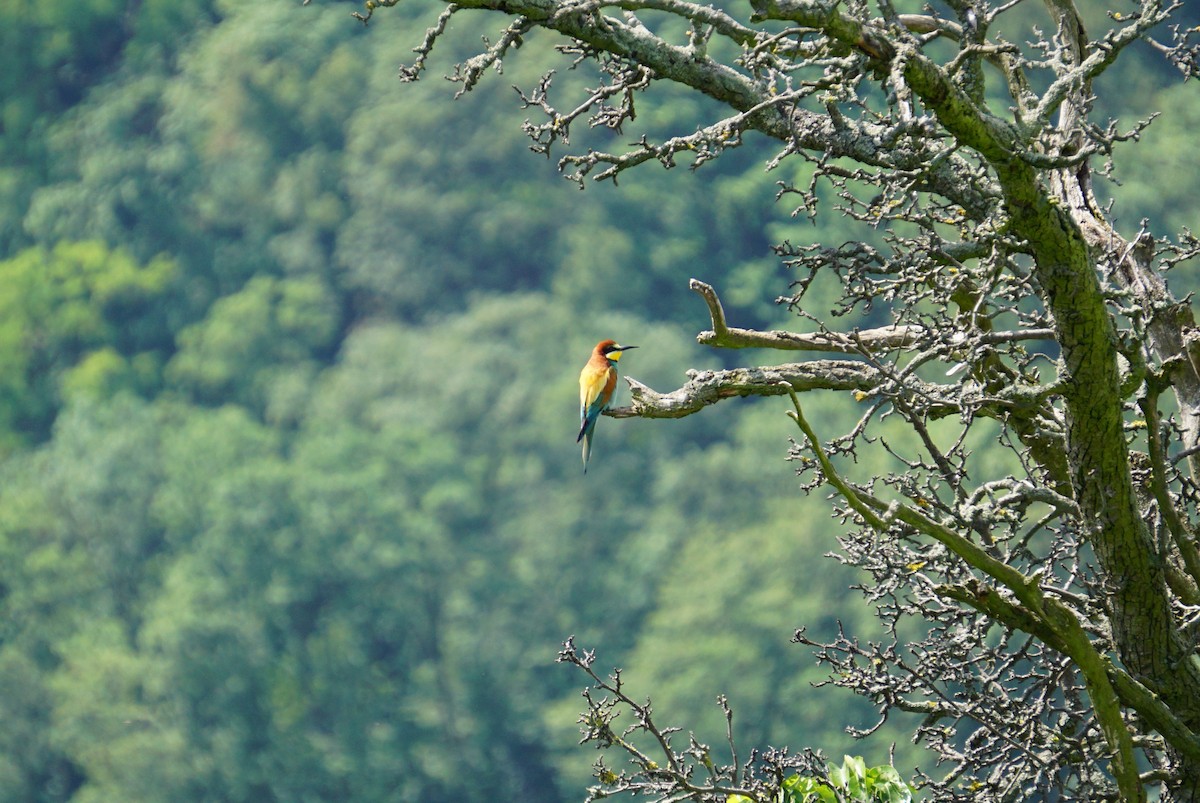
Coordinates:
<point>611,350</point>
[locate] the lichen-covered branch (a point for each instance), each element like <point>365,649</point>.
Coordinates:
<point>878,339</point>
<point>704,388</point>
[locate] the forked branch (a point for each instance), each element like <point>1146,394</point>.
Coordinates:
<point>882,338</point>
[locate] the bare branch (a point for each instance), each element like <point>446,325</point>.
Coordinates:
<point>1104,53</point>
<point>883,338</point>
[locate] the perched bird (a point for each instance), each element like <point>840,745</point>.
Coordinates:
<point>597,383</point>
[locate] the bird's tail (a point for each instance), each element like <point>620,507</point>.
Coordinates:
<point>587,448</point>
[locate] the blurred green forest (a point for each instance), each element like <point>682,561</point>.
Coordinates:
<point>290,506</point>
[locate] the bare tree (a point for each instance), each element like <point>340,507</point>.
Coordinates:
<point>1063,597</point>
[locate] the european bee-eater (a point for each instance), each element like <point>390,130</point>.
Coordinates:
<point>597,383</point>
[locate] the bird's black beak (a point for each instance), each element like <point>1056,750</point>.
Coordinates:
<point>627,348</point>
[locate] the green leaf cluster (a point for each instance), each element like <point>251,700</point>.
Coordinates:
<point>852,782</point>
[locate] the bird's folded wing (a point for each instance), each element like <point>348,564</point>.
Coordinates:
<point>592,396</point>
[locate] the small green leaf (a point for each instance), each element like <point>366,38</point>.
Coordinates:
<point>855,770</point>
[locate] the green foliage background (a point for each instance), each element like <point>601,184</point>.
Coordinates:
<point>289,504</point>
